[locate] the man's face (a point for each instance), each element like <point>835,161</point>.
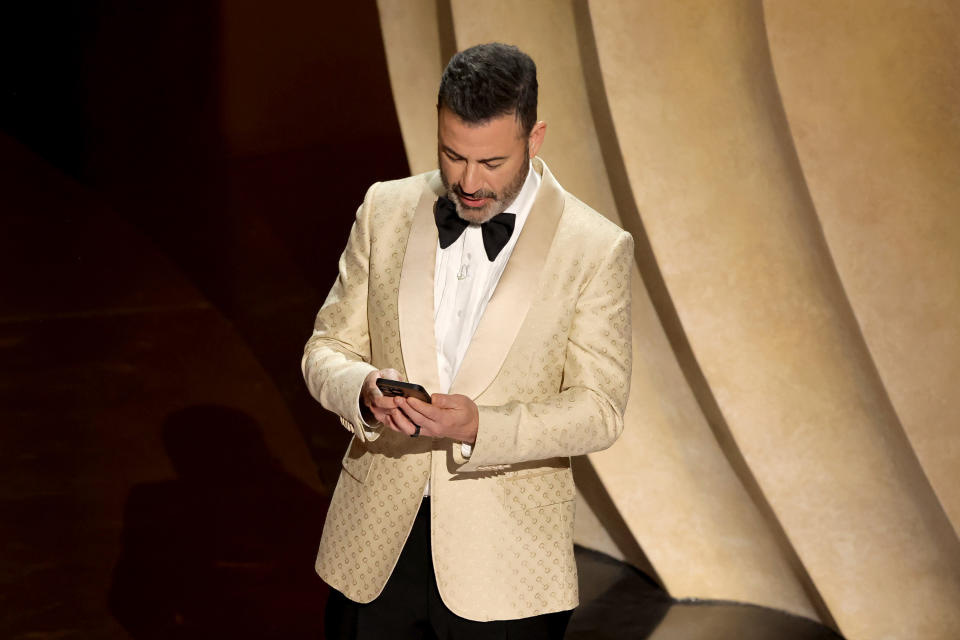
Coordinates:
<point>483,166</point>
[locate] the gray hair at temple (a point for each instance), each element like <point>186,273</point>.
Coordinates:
<point>488,81</point>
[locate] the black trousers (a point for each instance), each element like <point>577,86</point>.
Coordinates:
<point>410,606</point>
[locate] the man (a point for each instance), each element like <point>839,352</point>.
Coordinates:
<point>508,299</point>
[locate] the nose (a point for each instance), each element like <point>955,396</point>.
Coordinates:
<point>470,181</point>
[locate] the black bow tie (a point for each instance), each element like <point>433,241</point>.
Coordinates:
<point>496,231</point>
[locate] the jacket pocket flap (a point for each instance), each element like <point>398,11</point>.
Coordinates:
<point>357,460</point>
<point>538,489</point>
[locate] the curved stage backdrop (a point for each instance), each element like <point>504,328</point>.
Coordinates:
<point>791,173</point>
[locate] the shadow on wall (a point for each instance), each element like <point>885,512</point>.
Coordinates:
<point>238,140</point>
<point>224,550</point>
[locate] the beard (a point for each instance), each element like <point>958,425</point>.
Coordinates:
<point>498,201</point>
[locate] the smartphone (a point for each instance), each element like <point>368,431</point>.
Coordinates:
<point>405,389</point>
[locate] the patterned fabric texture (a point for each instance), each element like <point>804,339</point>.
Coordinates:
<point>549,368</point>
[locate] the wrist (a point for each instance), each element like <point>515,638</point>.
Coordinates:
<point>365,412</point>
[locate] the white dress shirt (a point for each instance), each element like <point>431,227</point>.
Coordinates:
<point>463,282</point>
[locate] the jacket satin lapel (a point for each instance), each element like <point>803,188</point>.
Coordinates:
<point>511,299</point>
<point>415,297</point>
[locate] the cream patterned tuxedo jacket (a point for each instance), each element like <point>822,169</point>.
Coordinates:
<point>548,366</point>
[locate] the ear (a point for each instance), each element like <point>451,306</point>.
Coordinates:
<point>536,137</point>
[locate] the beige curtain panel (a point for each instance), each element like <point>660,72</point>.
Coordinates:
<point>790,172</point>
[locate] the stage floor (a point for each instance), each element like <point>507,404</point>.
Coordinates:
<point>617,601</point>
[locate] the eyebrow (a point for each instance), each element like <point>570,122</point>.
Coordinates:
<point>450,151</point>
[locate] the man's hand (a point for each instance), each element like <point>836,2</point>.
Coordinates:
<point>455,417</point>
<point>376,405</point>
<point>450,416</point>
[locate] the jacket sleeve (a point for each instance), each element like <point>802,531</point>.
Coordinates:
<point>336,358</point>
<point>587,413</point>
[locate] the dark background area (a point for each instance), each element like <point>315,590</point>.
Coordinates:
<point>177,180</point>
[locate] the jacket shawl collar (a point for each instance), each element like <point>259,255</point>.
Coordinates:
<point>508,306</point>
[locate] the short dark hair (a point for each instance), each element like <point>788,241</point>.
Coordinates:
<point>488,81</point>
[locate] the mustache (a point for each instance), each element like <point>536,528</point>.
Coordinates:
<point>476,194</point>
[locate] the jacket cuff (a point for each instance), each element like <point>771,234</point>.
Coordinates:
<point>350,413</point>
<point>494,433</point>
